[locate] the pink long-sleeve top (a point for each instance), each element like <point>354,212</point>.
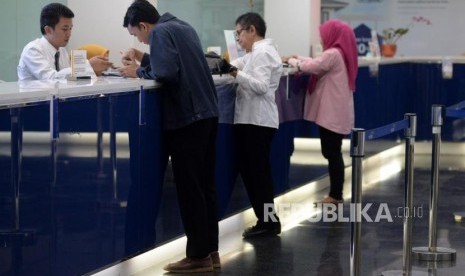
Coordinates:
<point>331,104</point>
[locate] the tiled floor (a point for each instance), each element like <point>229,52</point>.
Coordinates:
<point>322,248</point>
<point>309,247</point>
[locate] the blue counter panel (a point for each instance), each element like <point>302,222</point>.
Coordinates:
<point>408,88</point>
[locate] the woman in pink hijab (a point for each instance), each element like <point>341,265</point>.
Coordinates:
<point>329,102</point>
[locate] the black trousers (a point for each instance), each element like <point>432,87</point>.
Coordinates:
<point>192,150</point>
<point>331,148</point>
<point>253,144</point>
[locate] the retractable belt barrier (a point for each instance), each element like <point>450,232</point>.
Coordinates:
<point>357,145</point>
<point>432,252</point>
<point>387,129</point>
<point>456,110</point>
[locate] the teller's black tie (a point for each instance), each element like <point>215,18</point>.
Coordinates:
<point>57,61</point>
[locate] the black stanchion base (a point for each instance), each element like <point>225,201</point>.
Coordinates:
<point>439,254</point>
<point>429,266</point>
<point>16,238</point>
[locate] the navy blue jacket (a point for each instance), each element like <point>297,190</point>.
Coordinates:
<point>177,61</point>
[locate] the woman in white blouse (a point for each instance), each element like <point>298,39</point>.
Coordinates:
<point>256,119</point>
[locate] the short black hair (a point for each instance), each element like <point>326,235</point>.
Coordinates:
<point>140,11</point>
<point>248,19</point>
<point>50,15</point>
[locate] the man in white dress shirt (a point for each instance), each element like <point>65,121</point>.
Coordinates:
<point>46,58</point>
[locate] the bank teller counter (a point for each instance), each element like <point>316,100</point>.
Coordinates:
<point>65,171</point>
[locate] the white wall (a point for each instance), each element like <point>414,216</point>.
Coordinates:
<point>101,22</point>
<point>293,25</point>
<point>444,36</point>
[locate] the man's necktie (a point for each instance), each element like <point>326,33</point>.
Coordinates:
<point>57,61</point>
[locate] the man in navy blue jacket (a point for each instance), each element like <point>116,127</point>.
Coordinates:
<point>190,118</point>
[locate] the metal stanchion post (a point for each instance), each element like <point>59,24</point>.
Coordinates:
<point>16,237</point>
<point>100,157</point>
<point>115,204</point>
<point>54,135</point>
<point>142,94</point>
<point>432,252</point>
<point>357,152</point>
<point>113,157</point>
<point>16,158</point>
<point>410,134</point>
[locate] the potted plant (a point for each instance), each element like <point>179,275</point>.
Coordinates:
<point>392,35</point>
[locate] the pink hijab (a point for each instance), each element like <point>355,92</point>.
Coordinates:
<point>338,34</point>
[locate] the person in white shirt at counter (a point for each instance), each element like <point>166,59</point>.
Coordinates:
<point>256,119</point>
<point>46,58</point>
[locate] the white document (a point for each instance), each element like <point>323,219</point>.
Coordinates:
<point>234,50</point>
<point>78,64</point>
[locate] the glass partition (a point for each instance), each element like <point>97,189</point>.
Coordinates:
<point>19,24</point>
<point>210,17</point>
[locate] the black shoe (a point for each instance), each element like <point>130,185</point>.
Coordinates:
<point>262,230</point>
<point>216,260</point>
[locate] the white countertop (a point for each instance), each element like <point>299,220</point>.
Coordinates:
<point>14,93</point>
<point>26,92</point>
<point>364,61</point>
<point>101,86</point>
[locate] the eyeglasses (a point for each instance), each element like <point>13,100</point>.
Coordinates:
<point>238,32</point>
